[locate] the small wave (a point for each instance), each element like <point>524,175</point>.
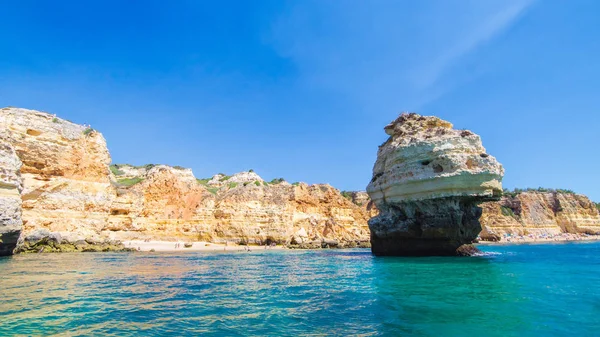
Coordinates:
<point>487,254</point>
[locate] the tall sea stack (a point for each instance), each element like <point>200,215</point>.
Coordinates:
<point>428,182</point>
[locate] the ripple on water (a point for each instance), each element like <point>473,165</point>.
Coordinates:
<point>508,291</point>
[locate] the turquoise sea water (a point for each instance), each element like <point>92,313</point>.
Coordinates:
<point>520,290</point>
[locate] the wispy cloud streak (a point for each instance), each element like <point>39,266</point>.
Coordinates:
<point>397,55</point>
<point>491,27</point>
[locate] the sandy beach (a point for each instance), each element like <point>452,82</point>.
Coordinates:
<point>175,246</point>
<point>563,237</point>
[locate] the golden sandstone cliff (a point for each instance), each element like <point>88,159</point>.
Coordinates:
<point>57,192</point>
<point>71,201</point>
<point>66,188</point>
<point>539,214</point>
<point>170,203</point>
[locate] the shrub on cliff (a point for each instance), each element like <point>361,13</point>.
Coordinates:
<point>203,181</point>
<point>115,170</point>
<point>507,211</point>
<point>88,131</point>
<point>598,205</point>
<point>276,181</point>
<point>128,182</point>
<point>147,167</point>
<point>347,195</point>
<point>518,191</point>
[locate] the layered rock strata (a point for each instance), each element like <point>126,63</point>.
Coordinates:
<point>539,214</point>
<point>171,204</point>
<point>65,177</point>
<point>428,182</point>
<point>73,201</point>
<point>10,196</point>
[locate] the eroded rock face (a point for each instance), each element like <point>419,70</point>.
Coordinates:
<point>65,176</point>
<point>170,204</point>
<point>539,214</point>
<point>71,201</point>
<point>10,196</point>
<point>428,182</point>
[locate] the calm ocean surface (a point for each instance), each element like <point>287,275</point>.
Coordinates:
<point>524,290</point>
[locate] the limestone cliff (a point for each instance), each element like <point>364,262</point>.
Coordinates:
<point>10,196</point>
<point>539,214</point>
<point>427,182</point>
<point>66,180</point>
<point>170,203</point>
<point>73,201</point>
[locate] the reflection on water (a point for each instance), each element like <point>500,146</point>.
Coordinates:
<point>523,291</point>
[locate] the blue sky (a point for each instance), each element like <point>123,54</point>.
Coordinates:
<point>302,89</point>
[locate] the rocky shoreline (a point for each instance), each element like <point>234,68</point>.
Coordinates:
<point>436,188</point>
<point>563,237</point>
<point>62,184</point>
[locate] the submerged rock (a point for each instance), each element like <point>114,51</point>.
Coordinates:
<point>428,182</point>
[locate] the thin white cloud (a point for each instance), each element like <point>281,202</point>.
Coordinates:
<point>491,26</point>
<point>389,55</point>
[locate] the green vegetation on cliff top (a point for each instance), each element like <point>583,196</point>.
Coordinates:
<point>518,191</point>
<point>203,181</point>
<point>147,166</point>
<point>347,195</point>
<point>276,181</point>
<point>128,182</point>
<point>115,170</point>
